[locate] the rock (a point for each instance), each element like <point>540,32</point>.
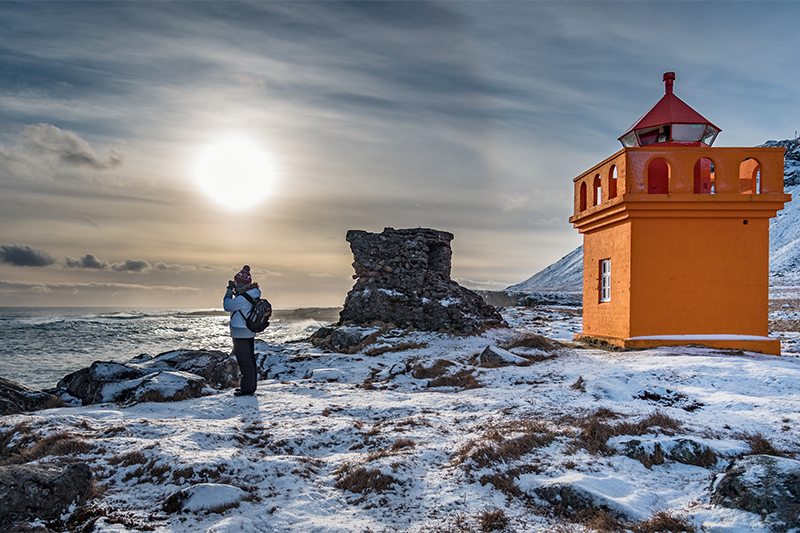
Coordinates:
<point>493,356</point>
<point>43,491</point>
<point>658,450</point>
<point>210,497</point>
<point>690,452</point>
<point>343,339</point>
<point>161,386</point>
<point>328,375</point>
<point>573,499</point>
<point>16,398</point>
<point>170,376</point>
<point>765,485</point>
<point>403,278</point>
<point>24,527</point>
<point>213,366</point>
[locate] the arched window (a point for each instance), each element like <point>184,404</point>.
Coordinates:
<point>658,177</point>
<point>597,189</point>
<point>750,176</point>
<point>704,176</point>
<point>612,182</point>
<point>583,197</point>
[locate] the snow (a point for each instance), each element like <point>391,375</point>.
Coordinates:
<point>391,292</point>
<point>207,496</point>
<point>277,461</point>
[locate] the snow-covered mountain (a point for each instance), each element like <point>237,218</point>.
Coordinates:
<point>565,275</point>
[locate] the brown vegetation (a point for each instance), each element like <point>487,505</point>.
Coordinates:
<point>494,520</point>
<point>595,433</point>
<point>360,480</point>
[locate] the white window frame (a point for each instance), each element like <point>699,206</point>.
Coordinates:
<point>605,280</point>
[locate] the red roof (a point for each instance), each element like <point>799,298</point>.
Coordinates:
<point>669,110</point>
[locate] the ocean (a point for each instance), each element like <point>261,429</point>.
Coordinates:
<point>39,346</point>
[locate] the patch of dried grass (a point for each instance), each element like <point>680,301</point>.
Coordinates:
<point>402,443</point>
<point>14,440</point>
<point>663,522</point>
<point>437,369</point>
<point>128,459</point>
<point>496,448</point>
<point>58,444</point>
<point>530,340</point>
<point>360,480</point>
<point>760,445</point>
<point>464,380</point>
<point>595,433</point>
<point>494,520</point>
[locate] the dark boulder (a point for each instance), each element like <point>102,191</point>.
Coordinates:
<point>170,376</point>
<point>403,278</point>
<point>26,527</point>
<point>765,485</point>
<point>217,368</point>
<point>343,339</point>
<point>43,491</point>
<point>493,356</point>
<point>17,398</point>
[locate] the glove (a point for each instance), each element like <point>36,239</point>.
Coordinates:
<point>232,285</point>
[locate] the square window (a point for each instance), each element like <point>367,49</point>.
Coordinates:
<point>605,280</point>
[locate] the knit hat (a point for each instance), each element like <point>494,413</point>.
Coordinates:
<point>243,276</point>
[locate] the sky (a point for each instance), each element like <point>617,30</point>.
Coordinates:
<point>148,150</point>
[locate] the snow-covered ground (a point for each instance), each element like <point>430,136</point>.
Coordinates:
<point>344,443</point>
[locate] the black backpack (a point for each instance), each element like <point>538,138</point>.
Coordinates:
<point>257,319</point>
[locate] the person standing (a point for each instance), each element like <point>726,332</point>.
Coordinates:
<point>243,339</point>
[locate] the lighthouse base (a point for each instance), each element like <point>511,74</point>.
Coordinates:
<point>749,343</point>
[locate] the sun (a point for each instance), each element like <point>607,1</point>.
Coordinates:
<point>235,173</point>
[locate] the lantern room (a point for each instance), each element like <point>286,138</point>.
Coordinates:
<point>676,236</point>
<point>671,122</point>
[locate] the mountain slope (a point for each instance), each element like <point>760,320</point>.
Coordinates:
<point>565,275</point>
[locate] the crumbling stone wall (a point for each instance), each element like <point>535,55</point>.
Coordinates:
<point>403,277</point>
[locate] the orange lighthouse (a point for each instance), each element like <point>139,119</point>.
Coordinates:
<point>676,235</point>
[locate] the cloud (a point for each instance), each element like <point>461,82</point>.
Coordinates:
<point>263,272</point>
<point>68,147</point>
<point>320,274</point>
<point>87,261</point>
<point>131,265</point>
<point>250,81</point>
<point>22,255</point>
<point>173,267</point>
<point>41,289</point>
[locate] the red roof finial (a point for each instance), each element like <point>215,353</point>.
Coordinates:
<point>669,78</point>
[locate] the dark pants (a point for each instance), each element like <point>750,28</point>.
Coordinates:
<point>245,356</point>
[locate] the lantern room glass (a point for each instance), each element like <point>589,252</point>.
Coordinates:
<point>688,132</point>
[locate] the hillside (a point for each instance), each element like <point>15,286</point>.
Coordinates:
<point>415,433</point>
<point>784,250</point>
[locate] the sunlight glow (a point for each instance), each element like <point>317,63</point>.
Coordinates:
<point>235,173</point>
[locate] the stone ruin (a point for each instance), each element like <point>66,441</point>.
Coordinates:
<point>403,278</point>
